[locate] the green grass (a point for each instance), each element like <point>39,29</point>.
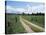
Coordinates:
<point>38,20</point>
<point>12,25</point>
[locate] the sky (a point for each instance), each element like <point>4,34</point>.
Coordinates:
<point>28,0</point>
<point>26,7</point>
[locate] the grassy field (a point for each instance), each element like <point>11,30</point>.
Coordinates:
<point>37,19</point>
<point>13,26</point>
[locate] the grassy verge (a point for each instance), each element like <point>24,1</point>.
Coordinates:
<point>38,20</point>
<point>13,24</point>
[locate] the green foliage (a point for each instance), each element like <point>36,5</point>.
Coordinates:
<point>13,24</point>
<point>38,19</point>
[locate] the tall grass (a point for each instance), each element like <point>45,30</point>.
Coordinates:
<point>37,19</point>
<point>13,24</point>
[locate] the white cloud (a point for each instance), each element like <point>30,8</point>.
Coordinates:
<point>9,9</point>
<point>14,10</point>
<point>35,9</point>
<point>20,9</point>
<point>28,9</point>
<point>39,8</point>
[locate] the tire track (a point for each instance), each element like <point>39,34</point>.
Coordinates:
<point>27,28</point>
<point>38,27</point>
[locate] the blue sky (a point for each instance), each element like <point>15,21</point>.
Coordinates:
<point>24,6</point>
<point>28,0</point>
